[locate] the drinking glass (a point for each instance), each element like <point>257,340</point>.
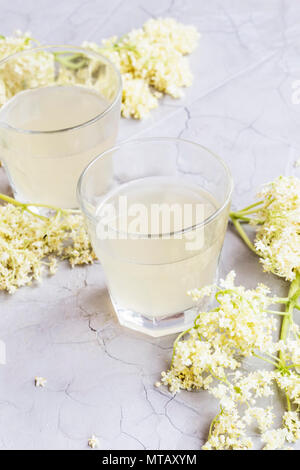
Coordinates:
<point>157,222</point>
<point>60,109</point>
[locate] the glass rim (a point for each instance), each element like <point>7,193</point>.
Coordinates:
<point>75,49</point>
<point>81,199</point>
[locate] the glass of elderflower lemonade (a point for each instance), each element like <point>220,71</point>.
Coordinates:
<point>157,225</point>
<point>60,108</point>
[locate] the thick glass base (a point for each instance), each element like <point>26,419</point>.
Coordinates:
<point>164,325</point>
<point>157,326</point>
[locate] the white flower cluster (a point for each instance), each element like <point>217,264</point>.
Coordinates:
<point>278,235</point>
<point>16,43</point>
<point>228,432</point>
<point>26,241</point>
<point>41,68</point>
<point>209,353</point>
<point>151,61</point>
<point>290,432</point>
<point>24,72</point>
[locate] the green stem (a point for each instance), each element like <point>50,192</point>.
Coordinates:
<point>272,356</point>
<point>295,296</point>
<point>251,206</point>
<point>242,233</point>
<point>22,206</point>
<point>73,62</point>
<point>236,215</point>
<point>224,380</point>
<point>25,206</point>
<point>288,402</point>
<point>280,300</point>
<point>243,212</point>
<point>211,427</point>
<point>288,318</point>
<point>266,360</point>
<point>275,312</point>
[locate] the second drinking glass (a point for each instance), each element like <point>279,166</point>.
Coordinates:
<point>157,223</point>
<point>60,109</point>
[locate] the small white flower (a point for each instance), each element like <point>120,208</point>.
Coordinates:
<point>93,442</point>
<point>40,381</point>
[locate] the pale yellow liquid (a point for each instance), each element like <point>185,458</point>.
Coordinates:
<point>45,167</point>
<point>152,276</point>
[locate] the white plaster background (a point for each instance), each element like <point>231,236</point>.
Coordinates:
<point>100,376</point>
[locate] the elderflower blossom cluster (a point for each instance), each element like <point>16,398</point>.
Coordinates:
<point>24,72</point>
<point>42,67</point>
<point>228,433</point>
<point>16,43</point>
<point>236,328</point>
<point>28,243</point>
<point>278,236</point>
<point>275,439</point>
<point>229,428</point>
<point>290,384</point>
<point>291,350</point>
<point>208,356</point>
<point>151,61</point>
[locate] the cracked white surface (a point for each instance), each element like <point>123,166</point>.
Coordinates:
<point>100,376</point>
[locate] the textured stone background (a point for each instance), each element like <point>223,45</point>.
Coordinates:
<point>100,376</point>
